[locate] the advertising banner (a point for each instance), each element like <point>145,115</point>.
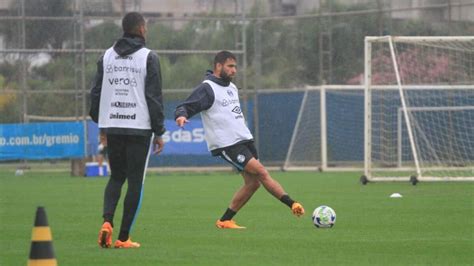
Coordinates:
<point>41,141</point>
<point>92,138</point>
<point>187,140</point>
<point>178,141</point>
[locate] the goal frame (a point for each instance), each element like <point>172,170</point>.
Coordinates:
<point>324,164</point>
<point>417,174</point>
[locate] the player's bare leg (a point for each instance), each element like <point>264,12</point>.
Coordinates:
<point>100,162</point>
<point>255,168</point>
<point>251,184</point>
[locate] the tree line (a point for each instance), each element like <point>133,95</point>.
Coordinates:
<point>280,53</point>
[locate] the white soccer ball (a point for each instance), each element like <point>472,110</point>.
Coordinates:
<point>324,217</point>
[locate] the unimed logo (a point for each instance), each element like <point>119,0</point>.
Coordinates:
<point>122,116</point>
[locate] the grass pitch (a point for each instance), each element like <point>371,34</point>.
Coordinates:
<point>432,224</point>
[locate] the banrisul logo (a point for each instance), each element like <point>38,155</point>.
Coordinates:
<point>109,69</point>
<point>113,68</point>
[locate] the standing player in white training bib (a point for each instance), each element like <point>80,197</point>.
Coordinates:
<point>227,135</point>
<point>127,103</point>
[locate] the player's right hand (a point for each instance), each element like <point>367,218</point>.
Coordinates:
<point>180,121</point>
<point>158,144</point>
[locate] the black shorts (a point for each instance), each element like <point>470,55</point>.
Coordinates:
<point>103,152</point>
<point>238,155</point>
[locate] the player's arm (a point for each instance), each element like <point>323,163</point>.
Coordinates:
<point>154,100</point>
<point>96,90</point>
<point>153,94</point>
<point>200,99</point>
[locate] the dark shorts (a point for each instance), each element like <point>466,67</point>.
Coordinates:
<point>237,155</point>
<point>103,152</point>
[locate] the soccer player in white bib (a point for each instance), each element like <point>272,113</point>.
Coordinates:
<point>227,136</point>
<point>126,101</point>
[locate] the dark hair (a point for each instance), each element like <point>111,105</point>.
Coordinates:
<point>131,21</point>
<point>222,56</point>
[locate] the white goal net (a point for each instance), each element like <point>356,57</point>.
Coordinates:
<point>419,108</point>
<point>304,151</point>
<point>328,130</point>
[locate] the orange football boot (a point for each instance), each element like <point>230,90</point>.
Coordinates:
<point>126,244</point>
<point>297,209</point>
<point>105,235</point>
<point>228,224</point>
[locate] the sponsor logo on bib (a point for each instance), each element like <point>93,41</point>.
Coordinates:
<point>122,116</point>
<point>123,105</point>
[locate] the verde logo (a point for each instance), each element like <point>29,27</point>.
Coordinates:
<point>123,81</point>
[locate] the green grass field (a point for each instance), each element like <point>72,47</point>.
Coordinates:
<point>432,224</point>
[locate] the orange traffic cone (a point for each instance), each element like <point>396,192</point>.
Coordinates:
<point>41,252</point>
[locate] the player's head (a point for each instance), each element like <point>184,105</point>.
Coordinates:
<point>134,23</point>
<point>225,65</point>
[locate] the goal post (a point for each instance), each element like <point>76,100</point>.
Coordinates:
<point>327,135</point>
<point>419,109</point>
<point>305,151</point>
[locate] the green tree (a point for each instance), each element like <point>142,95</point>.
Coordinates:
<point>39,33</point>
<point>102,36</point>
<point>58,74</point>
<point>9,102</point>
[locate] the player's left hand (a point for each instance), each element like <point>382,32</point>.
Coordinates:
<point>158,145</point>
<point>180,121</point>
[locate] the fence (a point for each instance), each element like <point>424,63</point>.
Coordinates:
<point>48,56</point>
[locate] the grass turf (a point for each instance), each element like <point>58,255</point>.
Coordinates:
<point>431,225</point>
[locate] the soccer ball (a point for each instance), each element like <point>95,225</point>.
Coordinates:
<point>324,217</point>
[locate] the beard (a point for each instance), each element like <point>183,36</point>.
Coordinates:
<point>225,77</point>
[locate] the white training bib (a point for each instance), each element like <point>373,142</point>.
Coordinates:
<point>122,99</point>
<point>224,123</point>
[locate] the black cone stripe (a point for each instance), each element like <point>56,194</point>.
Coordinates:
<point>41,250</point>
